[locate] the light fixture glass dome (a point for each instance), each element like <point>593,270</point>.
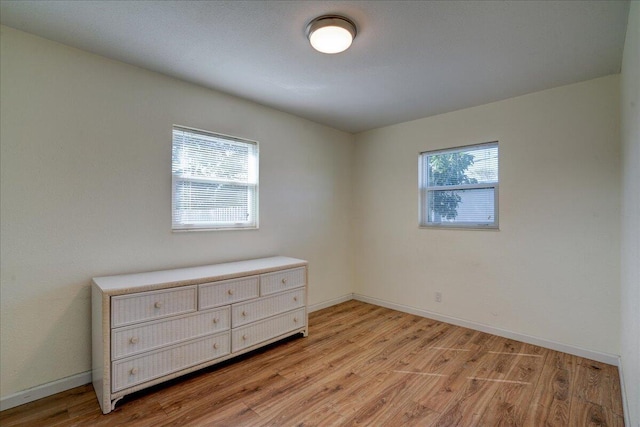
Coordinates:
<point>331,34</point>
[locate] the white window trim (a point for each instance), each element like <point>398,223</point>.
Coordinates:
<point>463,225</point>
<point>254,200</point>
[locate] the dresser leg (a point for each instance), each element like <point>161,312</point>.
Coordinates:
<point>113,403</point>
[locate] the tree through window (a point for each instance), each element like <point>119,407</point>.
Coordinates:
<point>459,187</point>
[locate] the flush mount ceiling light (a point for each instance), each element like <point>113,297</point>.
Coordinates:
<point>331,33</point>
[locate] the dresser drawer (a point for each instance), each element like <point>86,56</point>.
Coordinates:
<point>144,306</point>
<point>250,311</point>
<point>136,339</point>
<point>148,366</point>
<point>227,292</point>
<point>252,334</point>
<point>282,280</point>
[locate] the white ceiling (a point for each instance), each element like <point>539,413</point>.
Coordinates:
<point>410,59</point>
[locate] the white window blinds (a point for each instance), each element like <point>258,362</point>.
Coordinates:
<point>459,187</point>
<point>215,181</point>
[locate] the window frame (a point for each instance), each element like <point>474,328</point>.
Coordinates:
<point>212,226</point>
<point>423,192</point>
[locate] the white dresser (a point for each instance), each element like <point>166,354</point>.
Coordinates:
<point>151,327</point>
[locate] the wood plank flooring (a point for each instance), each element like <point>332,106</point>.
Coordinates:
<point>370,366</point>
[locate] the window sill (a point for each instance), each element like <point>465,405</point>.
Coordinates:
<point>453,227</point>
<point>188,230</point>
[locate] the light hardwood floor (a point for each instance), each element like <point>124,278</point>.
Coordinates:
<point>365,365</point>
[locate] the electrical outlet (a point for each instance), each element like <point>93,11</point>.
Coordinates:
<point>438,296</point>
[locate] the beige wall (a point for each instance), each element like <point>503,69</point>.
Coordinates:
<point>86,191</point>
<point>630,290</point>
<point>552,271</point>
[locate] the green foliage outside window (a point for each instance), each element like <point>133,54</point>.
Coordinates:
<point>448,169</point>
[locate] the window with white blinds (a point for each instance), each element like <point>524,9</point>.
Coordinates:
<point>215,181</point>
<point>459,187</point>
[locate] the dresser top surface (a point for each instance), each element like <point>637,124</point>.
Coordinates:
<point>125,283</point>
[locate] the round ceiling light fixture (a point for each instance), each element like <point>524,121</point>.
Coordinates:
<point>331,33</point>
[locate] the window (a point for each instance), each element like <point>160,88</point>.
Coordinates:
<point>215,181</point>
<point>459,187</point>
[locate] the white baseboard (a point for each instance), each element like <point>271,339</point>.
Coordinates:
<point>83,378</point>
<point>623,391</point>
<point>325,304</point>
<point>45,390</point>
<point>610,359</point>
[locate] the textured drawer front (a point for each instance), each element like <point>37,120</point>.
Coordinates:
<point>255,333</point>
<point>144,306</point>
<point>136,339</point>
<point>148,366</point>
<point>250,311</point>
<point>227,291</point>
<point>282,280</point>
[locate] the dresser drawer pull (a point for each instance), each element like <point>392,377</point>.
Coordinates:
<point>133,340</point>
<point>215,320</point>
<point>215,346</point>
<point>284,281</point>
<point>230,291</point>
<point>295,320</point>
<point>244,313</point>
<point>244,337</point>
<point>295,298</point>
<point>133,371</point>
<point>158,304</point>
